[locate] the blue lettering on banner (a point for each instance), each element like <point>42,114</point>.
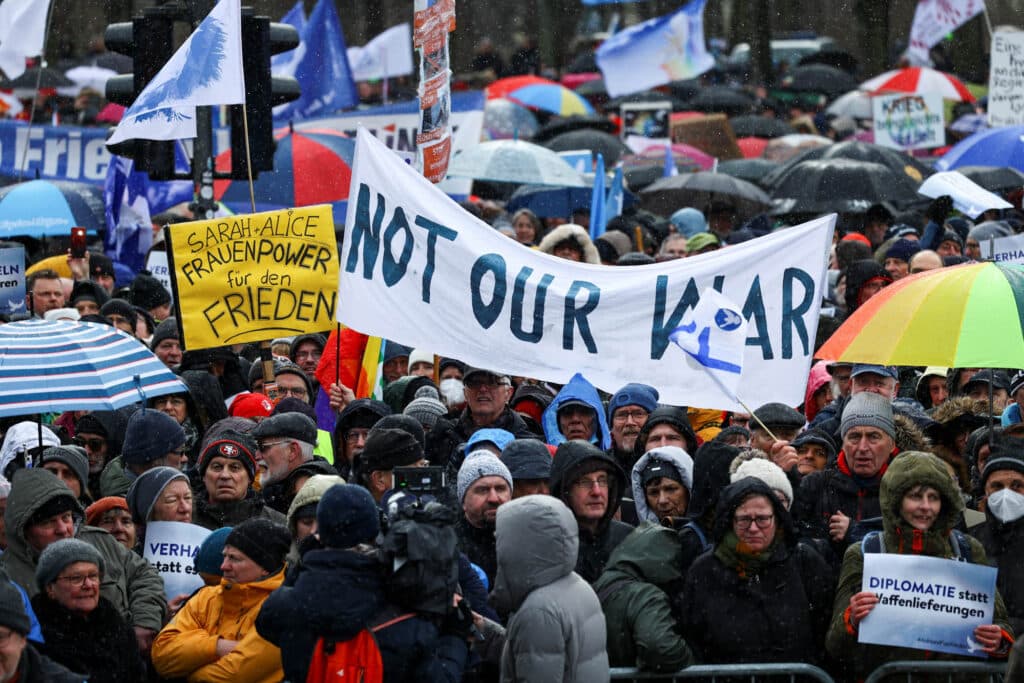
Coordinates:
<point>54,152</point>
<point>518,295</point>
<point>577,317</point>
<point>487,313</point>
<point>793,317</point>
<point>754,308</point>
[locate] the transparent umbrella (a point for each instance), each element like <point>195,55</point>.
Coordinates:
<point>514,161</point>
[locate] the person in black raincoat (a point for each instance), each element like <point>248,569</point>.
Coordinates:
<point>759,596</point>
<point>590,483</point>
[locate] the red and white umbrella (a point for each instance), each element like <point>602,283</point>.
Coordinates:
<point>919,80</point>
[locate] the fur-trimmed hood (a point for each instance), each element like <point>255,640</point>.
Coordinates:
<point>909,437</point>
<point>574,232</point>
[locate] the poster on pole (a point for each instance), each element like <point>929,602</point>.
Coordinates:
<point>251,277</point>
<point>171,548</point>
<point>1003,249</point>
<point>1006,79</point>
<point>927,603</point>
<point>909,121</point>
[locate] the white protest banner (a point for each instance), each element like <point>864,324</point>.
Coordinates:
<point>156,264</point>
<point>1004,249</point>
<point>968,197</point>
<point>419,270</point>
<point>171,547</point>
<point>934,19</point>
<point>927,603</point>
<point>909,121</point>
<point>1006,79</point>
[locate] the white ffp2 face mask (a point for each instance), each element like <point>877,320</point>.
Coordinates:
<point>1006,505</point>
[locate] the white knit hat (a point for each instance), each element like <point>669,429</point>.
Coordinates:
<point>768,472</point>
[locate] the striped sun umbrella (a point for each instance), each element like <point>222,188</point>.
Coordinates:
<point>51,367</point>
<point>966,316</point>
<point>919,80</point>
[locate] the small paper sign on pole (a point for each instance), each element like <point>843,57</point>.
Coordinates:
<point>909,121</point>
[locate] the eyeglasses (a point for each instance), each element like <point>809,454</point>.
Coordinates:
<point>477,383</point>
<point>762,521</point>
<point>587,484</point>
<point>80,579</point>
<point>635,415</point>
<point>297,392</point>
<point>354,435</point>
<point>267,445</point>
<point>91,444</point>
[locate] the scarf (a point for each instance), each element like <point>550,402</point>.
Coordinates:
<point>732,552</point>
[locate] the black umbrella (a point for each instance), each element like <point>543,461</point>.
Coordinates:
<point>751,170</point>
<point>685,90</point>
<point>841,185</point>
<point>592,88</point>
<point>722,99</point>
<point>583,63</point>
<point>666,195</point>
<point>759,127</point>
<point>819,78</point>
<point>858,151</point>
<point>50,78</point>
<point>560,125</point>
<point>645,97</point>
<point>994,178</point>
<point>587,138</point>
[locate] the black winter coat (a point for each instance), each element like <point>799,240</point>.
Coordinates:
<point>34,667</point>
<point>478,544</point>
<point>340,592</point>
<point>778,613</point>
<point>101,645</point>
<point>1004,546</point>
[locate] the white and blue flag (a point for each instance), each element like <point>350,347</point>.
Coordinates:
<point>714,335</point>
<point>22,33</point>
<point>616,196</point>
<point>285,63</point>
<point>205,71</point>
<point>597,201</point>
<point>655,52</point>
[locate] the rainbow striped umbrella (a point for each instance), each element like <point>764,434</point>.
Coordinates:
<point>964,316</point>
<point>53,366</point>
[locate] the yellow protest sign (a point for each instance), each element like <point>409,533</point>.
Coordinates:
<point>252,277</point>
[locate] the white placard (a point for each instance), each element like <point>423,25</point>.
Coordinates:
<point>968,197</point>
<point>1006,79</point>
<point>909,121</point>
<point>156,264</point>
<point>1004,249</point>
<point>171,548</point>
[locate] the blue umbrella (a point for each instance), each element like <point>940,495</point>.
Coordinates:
<point>554,202</point>
<point>54,366</point>
<point>992,147</point>
<point>40,208</point>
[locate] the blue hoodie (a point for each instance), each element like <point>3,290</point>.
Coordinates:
<point>578,389</point>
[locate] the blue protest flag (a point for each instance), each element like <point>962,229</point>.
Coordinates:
<point>655,52</point>
<point>323,71</point>
<point>597,215</point>
<point>284,64</point>
<point>670,163</point>
<point>616,197</point>
<point>714,336</point>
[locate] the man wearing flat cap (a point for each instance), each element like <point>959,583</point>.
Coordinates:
<point>283,443</point>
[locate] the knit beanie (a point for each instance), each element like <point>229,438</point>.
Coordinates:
<point>232,445</point>
<point>87,290</point>
<point>347,516</point>
<point>426,411</point>
<point>251,405</point>
<point>12,609</point>
<point>868,409</point>
<point>211,552</point>
<point>405,423</point>
<point>150,435</point>
<point>94,513</point>
<point>264,542</point>
<point>903,249</point>
<point>387,449</point>
<point>146,488</point>
<point>148,292</point>
<point>477,465</point>
<point>119,307</point>
<point>58,555</point>
<point>634,394</point>
<point>168,329</point>
<point>668,461</point>
<point>769,473</point>
<point>1002,458</point>
<point>72,456</point>
<point>527,459</point>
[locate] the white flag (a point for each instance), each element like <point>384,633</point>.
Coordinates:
<point>934,19</point>
<point>205,71</point>
<point>387,55</point>
<point>22,33</point>
<point>714,336</point>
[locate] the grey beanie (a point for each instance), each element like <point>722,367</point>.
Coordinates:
<point>425,410</point>
<point>147,487</point>
<point>72,456</point>
<point>58,555</point>
<point>477,465</point>
<point>12,609</point>
<point>868,409</point>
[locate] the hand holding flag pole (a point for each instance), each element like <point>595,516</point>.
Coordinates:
<point>714,335</point>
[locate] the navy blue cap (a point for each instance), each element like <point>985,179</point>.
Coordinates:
<point>883,370</point>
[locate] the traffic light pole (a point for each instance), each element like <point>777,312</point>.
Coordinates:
<point>204,205</point>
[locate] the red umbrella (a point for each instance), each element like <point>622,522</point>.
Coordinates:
<point>919,80</point>
<point>503,86</point>
<point>752,147</point>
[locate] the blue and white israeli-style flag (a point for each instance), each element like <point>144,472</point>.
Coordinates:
<point>285,63</point>
<point>205,71</point>
<point>655,52</point>
<point>714,335</point>
<point>616,196</point>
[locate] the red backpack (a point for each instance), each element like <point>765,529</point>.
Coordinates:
<point>356,660</point>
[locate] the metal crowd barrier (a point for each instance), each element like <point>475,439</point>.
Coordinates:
<point>893,672</point>
<point>904,671</point>
<point>713,672</point>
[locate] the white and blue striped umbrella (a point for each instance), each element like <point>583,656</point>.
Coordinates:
<point>51,367</point>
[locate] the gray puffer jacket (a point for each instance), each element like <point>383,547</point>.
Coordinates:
<point>557,629</point>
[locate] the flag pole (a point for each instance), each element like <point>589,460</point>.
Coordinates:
<point>35,97</point>
<point>248,157</point>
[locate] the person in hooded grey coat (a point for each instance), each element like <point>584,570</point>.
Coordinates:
<point>557,629</point>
